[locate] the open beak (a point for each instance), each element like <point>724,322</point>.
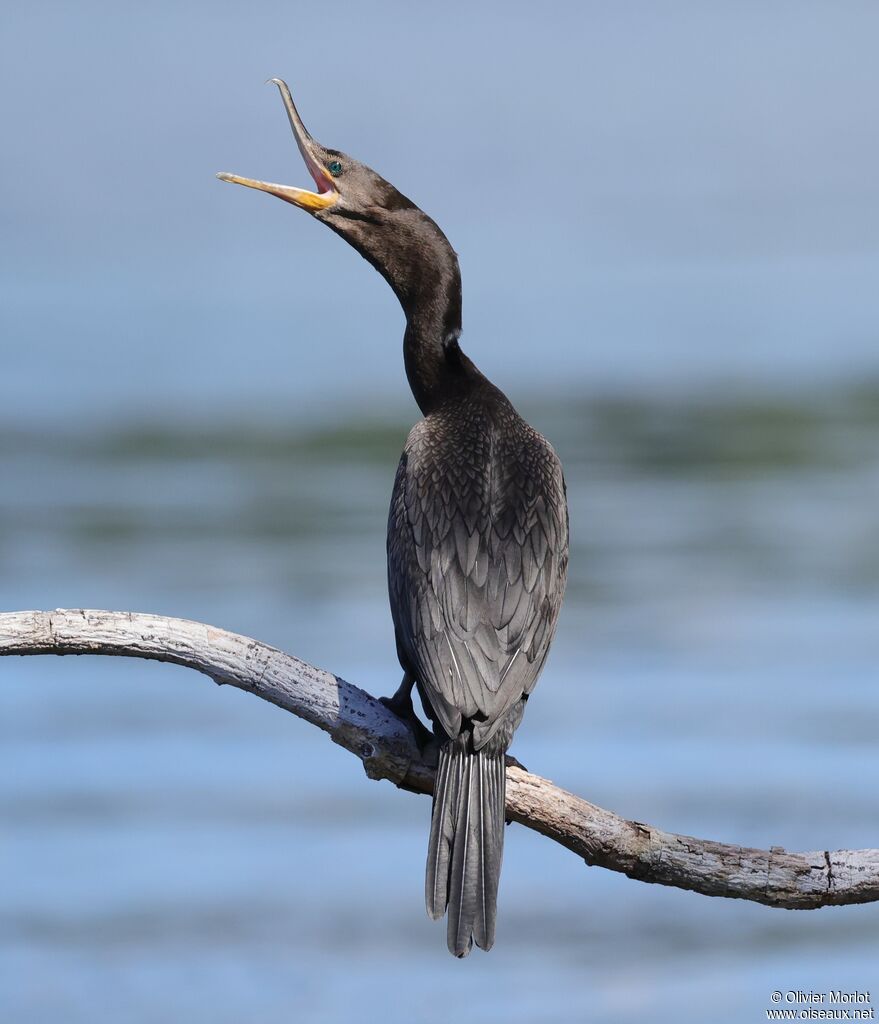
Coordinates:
<point>325,193</point>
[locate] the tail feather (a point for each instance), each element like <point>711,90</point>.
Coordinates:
<point>466,845</point>
<point>442,831</point>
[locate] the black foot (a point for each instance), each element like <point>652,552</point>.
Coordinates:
<point>511,762</point>
<point>401,705</point>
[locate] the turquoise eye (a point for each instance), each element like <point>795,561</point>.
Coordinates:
<point>335,168</point>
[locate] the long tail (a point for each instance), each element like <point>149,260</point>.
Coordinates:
<point>466,845</point>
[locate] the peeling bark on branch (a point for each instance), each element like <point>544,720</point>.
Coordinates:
<point>361,724</point>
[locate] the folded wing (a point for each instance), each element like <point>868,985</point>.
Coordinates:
<point>477,560</point>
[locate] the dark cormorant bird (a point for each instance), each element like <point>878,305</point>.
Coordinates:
<point>477,535</point>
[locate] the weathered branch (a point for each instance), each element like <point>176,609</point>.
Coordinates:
<point>384,744</point>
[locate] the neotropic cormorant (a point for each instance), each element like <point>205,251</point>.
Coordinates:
<point>477,535</point>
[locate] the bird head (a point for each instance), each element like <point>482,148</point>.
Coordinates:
<point>385,227</point>
<point>342,184</point>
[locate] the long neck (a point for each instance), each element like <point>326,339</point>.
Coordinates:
<point>435,366</point>
<point>417,261</point>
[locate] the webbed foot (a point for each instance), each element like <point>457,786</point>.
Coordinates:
<point>401,705</point>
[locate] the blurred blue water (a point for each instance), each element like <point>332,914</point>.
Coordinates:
<point>201,406</point>
<point>178,850</point>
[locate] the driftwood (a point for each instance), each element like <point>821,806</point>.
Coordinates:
<point>360,723</point>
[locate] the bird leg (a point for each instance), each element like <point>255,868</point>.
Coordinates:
<point>401,705</point>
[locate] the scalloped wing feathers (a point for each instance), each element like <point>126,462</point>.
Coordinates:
<point>477,560</point>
